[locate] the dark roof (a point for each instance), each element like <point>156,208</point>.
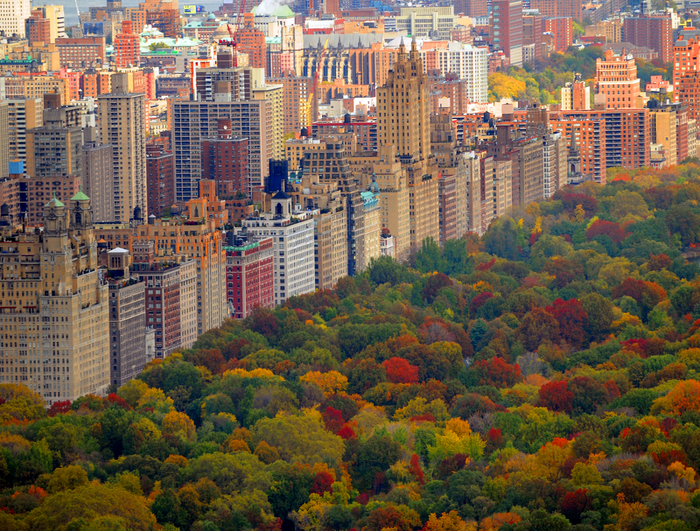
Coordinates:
<point>280,195</point>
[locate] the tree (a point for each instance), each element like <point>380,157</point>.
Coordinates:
<point>537,327</point>
<point>502,239</point>
<point>685,396</point>
<point>556,396</point>
<point>90,502</point>
<point>572,320</point>
<point>299,438</point>
<point>374,456</point>
<point>330,382</point>
<point>179,425</point>
<point>398,370</point>
<point>497,372</point>
<point>589,394</point>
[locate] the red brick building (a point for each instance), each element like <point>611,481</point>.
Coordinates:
<point>471,8</point>
<point>616,79</point>
<point>249,275</point>
<point>559,8</point>
<point>79,53</point>
<point>507,29</point>
<point>653,32</point>
<point>160,176</point>
<point>562,30</point>
<point>688,92</point>
<point>225,161</point>
<point>127,49</point>
<point>251,41</point>
<point>38,28</point>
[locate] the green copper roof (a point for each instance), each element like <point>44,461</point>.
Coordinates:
<point>55,202</point>
<point>80,196</point>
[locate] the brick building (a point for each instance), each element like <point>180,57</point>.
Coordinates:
<point>225,160</point>
<point>562,30</point>
<point>127,48</point>
<point>160,178</point>
<point>653,32</point>
<point>249,275</point>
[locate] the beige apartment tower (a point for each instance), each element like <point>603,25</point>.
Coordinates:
<point>122,119</point>
<point>54,319</point>
<point>403,120</point>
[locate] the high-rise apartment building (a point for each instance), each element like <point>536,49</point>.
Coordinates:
<point>507,28</point>
<point>122,118</point>
<point>559,8</point>
<point>294,245</point>
<point>127,317</point>
<point>295,93</point>
<point>686,56</point>
<point>403,120</point>
<point>496,189</point>
<point>38,28</point>
<point>330,226</point>
<point>127,47</point>
<point>98,175</point>
<point>250,40</point>
<point>386,170</point>
<point>57,20</point>
<point>651,31</point>
<point>562,31</point>
<point>22,115</point>
<point>4,146</point>
<point>330,165</point>
<point>61,350</point>
<point>587,135</point>
<point>663,131</point>
<point>275,116</point>
<point>170,298</point>
<point>471,8</point>
<point>196,121</point>
<point>55,148</point>
<point>13,13</point>
<point>554,151</point>
<point>617,81</point>
<point>160,178</point>
<point>250,273</point>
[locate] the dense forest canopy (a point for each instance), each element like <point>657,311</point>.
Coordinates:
<point>542,377</point>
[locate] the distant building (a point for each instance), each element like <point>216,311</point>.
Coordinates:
<point>249,275</point>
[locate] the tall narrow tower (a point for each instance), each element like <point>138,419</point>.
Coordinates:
<point>122,115</point>
<point>404,107</point>
<point>403,116</point>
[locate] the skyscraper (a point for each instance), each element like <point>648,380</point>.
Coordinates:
<point>13,13</point>
<point>507,27</point>
<point>127,48</point>
<point>55,148</point>
<point>616,79</point>
<point>122,118</point>
<point>403,118</point>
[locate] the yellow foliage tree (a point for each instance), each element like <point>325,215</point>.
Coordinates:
<point>459,427</point>
<point>179,425</point>
<point>329,382</point>
<point>448,522</point>
<point>179,460</point>
<point>504,86</point>
<point>496,521</point>
<point>685,396</point>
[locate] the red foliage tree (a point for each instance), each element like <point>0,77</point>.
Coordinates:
<point>556,396</point>
<point>601,227</point>
<point>398,370</point>
<point>415,470</point>
<point>479,300</point>
<point>647,294</point>
<point>498,373</point>
<point>572,319</point>
<point>333,419</point>
<point>575,503</point>
<point>657,262</point>
<point>346,432</point>
<point>485,266</point>
<point>115,399</point>
<point>613,390</point>
<point>322,483</point>
<point>57,408</point>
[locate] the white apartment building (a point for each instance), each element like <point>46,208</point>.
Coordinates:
<point>292,232</point>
